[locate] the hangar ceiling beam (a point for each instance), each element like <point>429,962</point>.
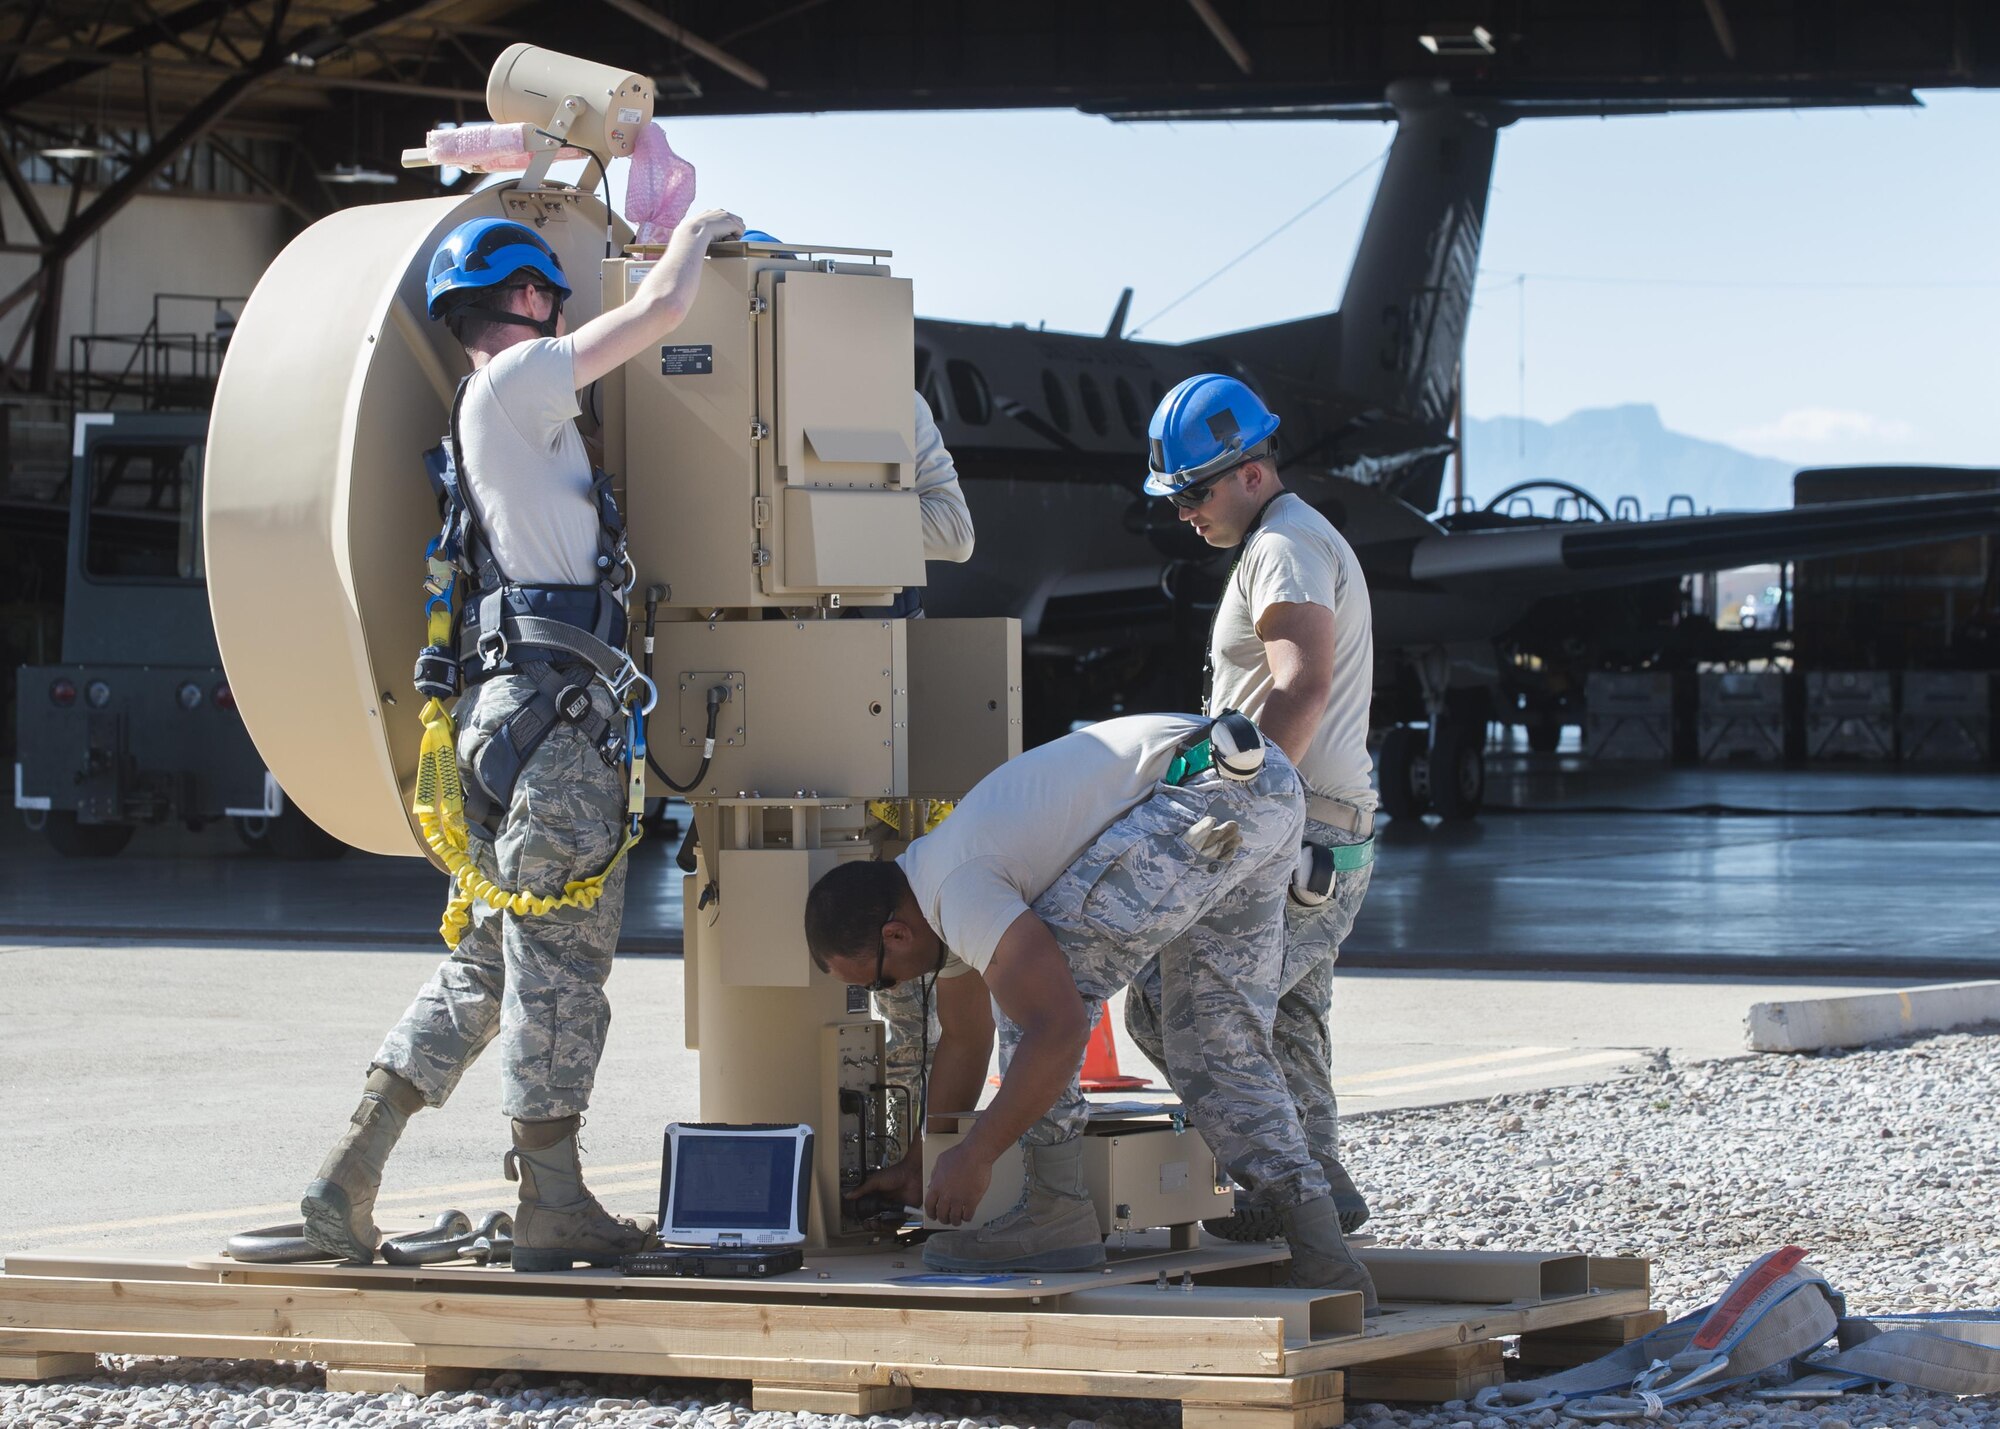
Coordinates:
<point>273,61</point>
<point>135,41</point>
<point>692,43</point>
<point>1224,36</point>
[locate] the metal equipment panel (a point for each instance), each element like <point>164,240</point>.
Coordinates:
<point>1629,716</point>
<point>1851,714</point>
<point>1144,1176</point>
<point>758,937</point>
<point>965,702</point>
<point>1946,717</point>
<point>1742,717</point>
<point>849,540</point>
<point>823,705</point>
<point>691,476</point>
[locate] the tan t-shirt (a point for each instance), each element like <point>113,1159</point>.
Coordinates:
<point>1296,557</point>
<point>1026,822</point>
<point>530,475</point>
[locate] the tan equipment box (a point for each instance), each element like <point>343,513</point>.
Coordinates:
<point>1142,1174</point>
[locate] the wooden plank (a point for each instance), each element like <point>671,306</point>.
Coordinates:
<point>102,1267</point>
<point>994,1337</point>
<point>33,1366</point>
<point>1410,1328</point>
<point>1265,1391</point>
<point>1481,1277</point>
<point>382,1379</point>
<point>1431,1376</point>
<point>1323,1414</point>
<point>869,1275</point>
<point>858,1400</point>
<point>1421,1389</point>
<point>1592,1339</point>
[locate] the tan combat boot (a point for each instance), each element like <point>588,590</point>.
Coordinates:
<point>1320,1257</point>
<point>1251,1222</point>
<point>1053,1228</point>
<point>339,1205</point>
<point>559,1222</point>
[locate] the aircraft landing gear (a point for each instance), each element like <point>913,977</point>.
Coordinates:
<point>1441,770</point>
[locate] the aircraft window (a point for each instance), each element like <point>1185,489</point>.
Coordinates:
<point>1128,407</point>
<point>144,518</point>
<point>1057,400</point>
<point>1093,401</point>
<point>933,390</point>
<point>969,393</point>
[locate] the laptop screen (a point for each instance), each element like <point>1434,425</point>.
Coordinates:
<point>730,1183</point>
<point>735,1185</point>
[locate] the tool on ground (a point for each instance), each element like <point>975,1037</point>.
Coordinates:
<point>455,1237</point>
<point>1767,1325</point>
<point>730,1187</point>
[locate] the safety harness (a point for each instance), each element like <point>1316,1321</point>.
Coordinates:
<point>565,639</point>
<point>1766,1327</point>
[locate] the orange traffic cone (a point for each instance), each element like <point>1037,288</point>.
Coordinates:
<point>1100,1063</point>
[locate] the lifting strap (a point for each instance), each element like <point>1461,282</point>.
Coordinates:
<point>1767,1325</point>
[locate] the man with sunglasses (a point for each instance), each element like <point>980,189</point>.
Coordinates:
<point>545,796</point>
<point>1291,647</point>
<point>1153,840</point>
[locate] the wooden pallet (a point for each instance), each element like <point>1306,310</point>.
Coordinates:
<point>1217,1348</point>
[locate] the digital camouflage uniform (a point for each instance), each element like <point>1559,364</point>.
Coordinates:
<point>538,982</point>
<point>1142,895</point>
<point>1300,1038</point>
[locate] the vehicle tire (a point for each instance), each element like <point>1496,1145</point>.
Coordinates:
<point>1458,769</point>
<point>1545,736</point>
<point>75,840</point>
<point>294,836</point>
<point>254,830</point>
<point>1402,772</point>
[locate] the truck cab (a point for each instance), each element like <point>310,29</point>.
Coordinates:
<point>136,725</point>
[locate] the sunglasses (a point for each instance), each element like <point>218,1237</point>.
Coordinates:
<point>1188,498</point>
<point>882,982</point>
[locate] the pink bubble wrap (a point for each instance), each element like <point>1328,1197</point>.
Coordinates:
<point>490,148</point>
<point>660,188</point>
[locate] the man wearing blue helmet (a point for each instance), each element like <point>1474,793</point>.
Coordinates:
<point>1292,648</point>
<point>538,741</point>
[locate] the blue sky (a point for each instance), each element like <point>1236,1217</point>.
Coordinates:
<point>1820,286</point>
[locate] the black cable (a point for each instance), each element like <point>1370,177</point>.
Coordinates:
<point>717,694</point>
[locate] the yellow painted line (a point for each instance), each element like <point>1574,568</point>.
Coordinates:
<point>245,1217</point>
<point>1532,1070</point>
<point>1415,1069</point>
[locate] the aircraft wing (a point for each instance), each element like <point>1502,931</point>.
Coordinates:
<point>1582,555</point>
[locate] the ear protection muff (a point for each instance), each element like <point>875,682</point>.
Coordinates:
<point>1313,877</point>
<point>1238,746</point>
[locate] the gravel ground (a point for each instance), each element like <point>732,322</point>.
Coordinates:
<point>1882,1162</point>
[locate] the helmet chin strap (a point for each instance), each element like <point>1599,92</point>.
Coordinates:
<point>546,326</point>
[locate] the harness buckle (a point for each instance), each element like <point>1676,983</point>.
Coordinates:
<point>492,649</point>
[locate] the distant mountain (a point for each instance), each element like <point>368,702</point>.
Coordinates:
<point>1619,451</point>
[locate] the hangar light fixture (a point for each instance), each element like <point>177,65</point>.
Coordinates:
<point>356,174</point>
<point>1456,39</point>
<point>74,151</point>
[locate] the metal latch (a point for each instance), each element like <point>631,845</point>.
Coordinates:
<point>758,431</point>
<point>760,512</point>
<point>760,557</point>
<point>759,304</point>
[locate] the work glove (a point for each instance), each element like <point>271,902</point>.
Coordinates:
<point>1214,840</point>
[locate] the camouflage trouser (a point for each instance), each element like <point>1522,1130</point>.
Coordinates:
<point>1141,895</point>
<point>536,982</point>
<point>1299,1034</point>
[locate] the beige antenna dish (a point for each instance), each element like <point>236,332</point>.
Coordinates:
<point>316,508</point>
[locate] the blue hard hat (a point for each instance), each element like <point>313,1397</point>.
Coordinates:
<point>486,252</point>
<point>1203,427</point>
<point>758,235</point>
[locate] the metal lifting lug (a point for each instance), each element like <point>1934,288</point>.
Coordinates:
<point>758,431</point>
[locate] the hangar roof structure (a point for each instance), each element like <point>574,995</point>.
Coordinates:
<point>312,101</point>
